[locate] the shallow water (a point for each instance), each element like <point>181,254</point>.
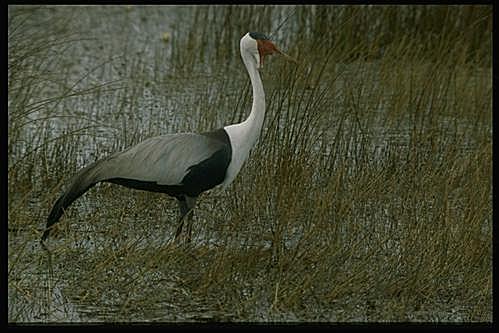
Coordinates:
<point>126,54</point>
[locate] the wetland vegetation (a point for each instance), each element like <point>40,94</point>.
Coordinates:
<point>368,197</point>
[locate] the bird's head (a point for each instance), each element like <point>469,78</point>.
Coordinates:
<point>259,46</point>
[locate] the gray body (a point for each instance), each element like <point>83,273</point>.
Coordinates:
<point>181,165</point>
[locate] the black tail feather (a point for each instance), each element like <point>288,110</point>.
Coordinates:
<point>81,183</point>
<point>54,216</point>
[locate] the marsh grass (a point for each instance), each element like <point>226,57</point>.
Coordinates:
<point>368,197</point>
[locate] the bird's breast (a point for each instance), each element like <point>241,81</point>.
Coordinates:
<point>241,143</point>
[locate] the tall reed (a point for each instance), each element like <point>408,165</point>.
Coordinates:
<point>367,198</point>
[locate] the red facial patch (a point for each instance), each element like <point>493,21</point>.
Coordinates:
<point>265,47</point>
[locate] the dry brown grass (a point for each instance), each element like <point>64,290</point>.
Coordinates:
<point>368,197</point>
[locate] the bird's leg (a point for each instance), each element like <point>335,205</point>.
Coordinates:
<point>182,206</point>
<point>189,225</point>
<point>191,202</point>
<point>185,206</point>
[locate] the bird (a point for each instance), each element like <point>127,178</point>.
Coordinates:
<point>182,165</point>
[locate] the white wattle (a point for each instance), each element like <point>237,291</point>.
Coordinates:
<point>243,136</point>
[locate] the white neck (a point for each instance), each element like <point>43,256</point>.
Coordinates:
<point>243,136</point>
<point>255,120</point>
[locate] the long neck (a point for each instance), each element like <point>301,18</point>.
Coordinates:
<point>253,124</point>
<point>243,136</point>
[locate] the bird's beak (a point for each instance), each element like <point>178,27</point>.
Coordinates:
<point>266,47</point>
<point>287,57</point>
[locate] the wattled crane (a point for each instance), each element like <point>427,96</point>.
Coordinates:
<point>182,165</point>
